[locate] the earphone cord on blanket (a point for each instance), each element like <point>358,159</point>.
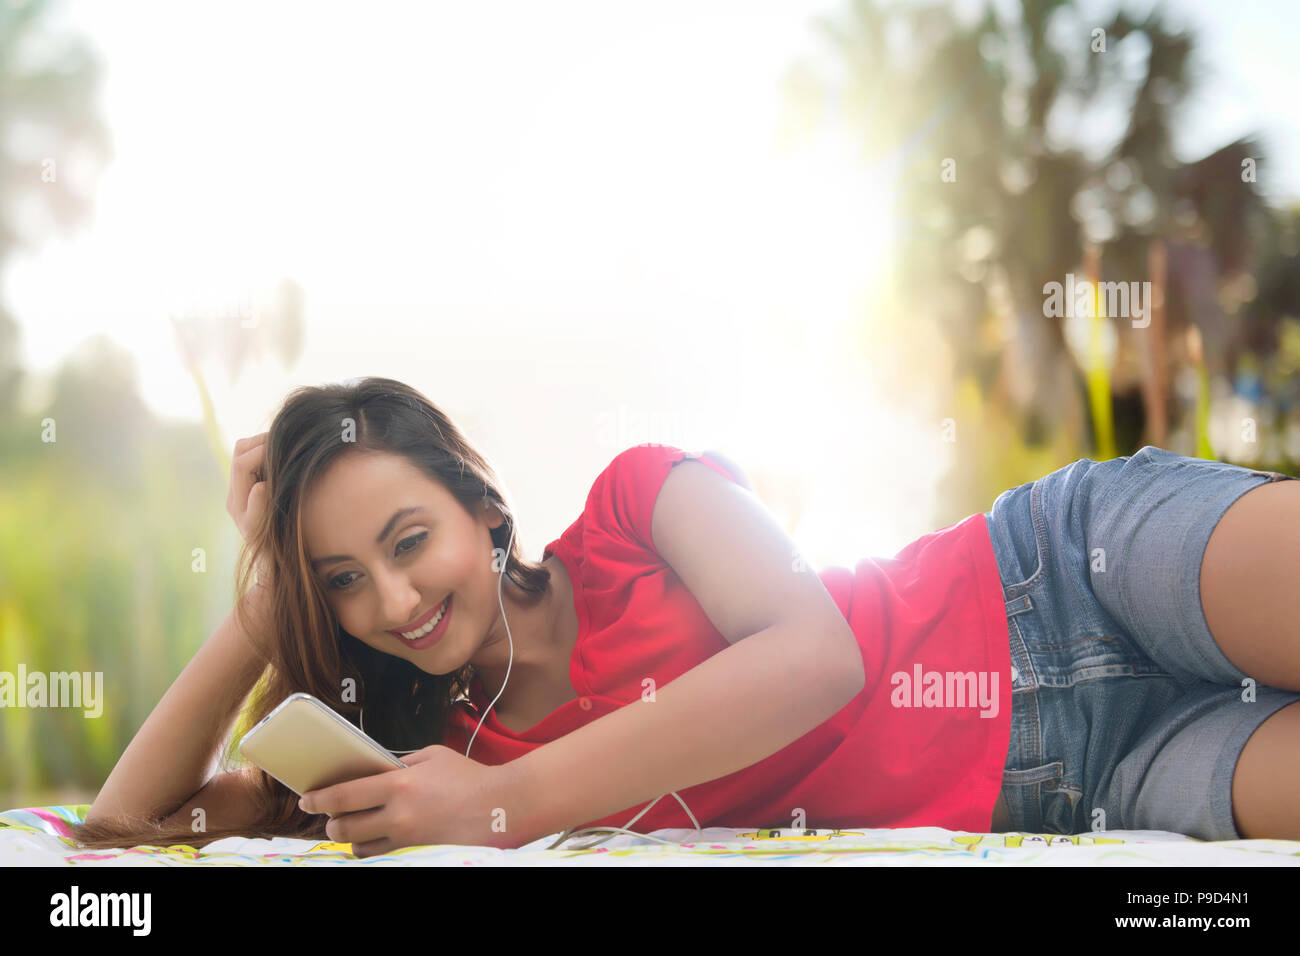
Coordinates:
<point>571,832</point>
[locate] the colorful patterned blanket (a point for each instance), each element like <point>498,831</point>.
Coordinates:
<point>38,836</point>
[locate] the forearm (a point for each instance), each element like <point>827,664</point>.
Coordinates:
<point>736,708</point>
<point>170,757</point>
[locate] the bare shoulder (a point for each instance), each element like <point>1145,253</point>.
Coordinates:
<point>735,470</point>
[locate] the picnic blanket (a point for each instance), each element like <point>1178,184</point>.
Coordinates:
<point>39,836</point>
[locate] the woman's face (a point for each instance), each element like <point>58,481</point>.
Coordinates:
<point>381,575</point>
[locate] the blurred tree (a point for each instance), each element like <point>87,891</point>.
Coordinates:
<point>11,370</point>
<point>1024,146</point>
<point>102,423</point>
<point>52,143</point>
<point>1267,370</point>
<point>97,528</point>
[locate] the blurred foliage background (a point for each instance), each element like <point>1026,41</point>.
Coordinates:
<point>961,124</point>
<point>1213,375</point>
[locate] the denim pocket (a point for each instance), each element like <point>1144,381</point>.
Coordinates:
<point>1047,773</point>
<point>1037,798</point>
<point>1042,551</point>
<point>1043,800</point>
<point>1060,803</point>
<point>1019,537</point>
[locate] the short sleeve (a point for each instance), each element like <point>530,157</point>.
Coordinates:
<point>622,498</point>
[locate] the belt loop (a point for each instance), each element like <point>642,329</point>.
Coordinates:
<point>1019,605</point>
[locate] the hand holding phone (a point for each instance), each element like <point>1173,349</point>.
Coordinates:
<point>306,745</point>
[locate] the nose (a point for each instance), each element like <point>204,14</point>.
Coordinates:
<point>399,599</point>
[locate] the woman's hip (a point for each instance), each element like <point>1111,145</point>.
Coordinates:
<point>1099,563</point>
<point>1108,557</point>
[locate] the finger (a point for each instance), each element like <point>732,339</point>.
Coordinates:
<point>246,443</point>
<point>244,470</point>
<point>257,496</point>
<point>364,793</point>
<point>362,827</point>
<point>420,756</point>
<point>373,848</point>
<point>251,458</point>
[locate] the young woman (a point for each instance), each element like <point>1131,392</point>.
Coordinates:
<point>1111,646</point>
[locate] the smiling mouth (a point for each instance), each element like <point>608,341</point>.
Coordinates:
<point>430,620</point>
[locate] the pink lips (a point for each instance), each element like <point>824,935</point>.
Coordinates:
<point>433,635</point>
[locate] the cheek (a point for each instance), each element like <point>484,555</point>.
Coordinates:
<point>351,615</point>
<point>452,570</point>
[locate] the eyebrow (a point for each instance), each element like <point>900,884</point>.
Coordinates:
<point>398,515</point>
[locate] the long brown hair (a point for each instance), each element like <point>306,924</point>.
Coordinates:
<point>307,650</point>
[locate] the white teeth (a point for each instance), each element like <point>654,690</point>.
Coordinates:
<point>421,632</point>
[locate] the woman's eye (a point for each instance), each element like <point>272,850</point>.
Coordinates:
<point>414,542</point>
<point>417,538</point>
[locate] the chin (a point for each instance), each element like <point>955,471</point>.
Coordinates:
<point>432,673</point>
<point>424,665</point>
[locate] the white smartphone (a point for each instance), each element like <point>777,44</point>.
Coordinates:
<point>306,746</point>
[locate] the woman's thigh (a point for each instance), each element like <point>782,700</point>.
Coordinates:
<point>1147,521</point>
<point>1179,774</point>
<point>1112,658</point>
<point>1248,584</point>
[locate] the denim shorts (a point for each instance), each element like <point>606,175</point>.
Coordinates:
<point>1125,713</point>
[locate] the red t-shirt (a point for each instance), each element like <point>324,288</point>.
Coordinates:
<point>916,747</point>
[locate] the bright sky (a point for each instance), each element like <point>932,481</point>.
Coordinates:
<point>551,218</point>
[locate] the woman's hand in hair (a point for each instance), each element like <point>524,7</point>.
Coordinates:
<point>246,500</point>
<point>440,797</point>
